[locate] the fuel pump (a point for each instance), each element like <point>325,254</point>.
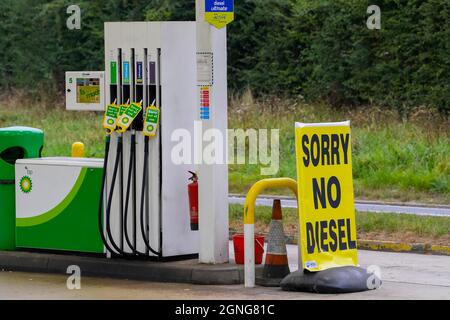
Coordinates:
<point>137,81</point>
<point>150,128</point>
<point>102,193</point>
<point>109,123</point>
<point>117,119</point>
<point>151,87</point>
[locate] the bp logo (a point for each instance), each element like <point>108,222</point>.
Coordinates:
<point>26,185</point>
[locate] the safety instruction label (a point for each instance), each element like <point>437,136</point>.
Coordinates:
<point>151,121</point>
<point>128,117</point>
<point>219,13</point>
<point>205,68</point>
<point>205,100</point>
<point>111,116</point>
<point>326,201</point>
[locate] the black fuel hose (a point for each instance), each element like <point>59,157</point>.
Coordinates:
<point>110,198</point>
<point>121,183</point>
<point>131,170</point>
<point>102,192</point>
<point>144,186</point>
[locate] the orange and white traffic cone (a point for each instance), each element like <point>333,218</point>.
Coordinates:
<point>276,267</point>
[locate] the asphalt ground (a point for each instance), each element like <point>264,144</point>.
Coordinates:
<point>404,275</point>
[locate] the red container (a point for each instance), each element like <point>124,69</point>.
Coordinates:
<point>238,242</point>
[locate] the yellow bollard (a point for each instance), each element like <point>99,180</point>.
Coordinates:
<point>78,150</point>
<point>249,221</point>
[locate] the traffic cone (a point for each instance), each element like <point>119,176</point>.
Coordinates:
<point>276,267</point>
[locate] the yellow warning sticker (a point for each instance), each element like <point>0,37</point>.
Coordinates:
<point>326,200</point>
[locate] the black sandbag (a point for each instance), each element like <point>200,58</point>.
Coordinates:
<point>331,281</point>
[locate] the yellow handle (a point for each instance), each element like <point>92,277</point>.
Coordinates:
<point>258,188</point>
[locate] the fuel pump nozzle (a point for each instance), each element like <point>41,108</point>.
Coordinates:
<point>112,112</point>
<point>148,134</point>
<point>102,192</point>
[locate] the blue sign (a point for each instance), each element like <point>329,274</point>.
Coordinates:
<point>219,6</point>
<point>139,72</point>
<point>219,13</point>
<point>126,72</point>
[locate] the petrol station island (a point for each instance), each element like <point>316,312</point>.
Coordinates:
<point>136,214</point>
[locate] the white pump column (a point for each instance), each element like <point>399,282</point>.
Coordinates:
<point>213,177</point>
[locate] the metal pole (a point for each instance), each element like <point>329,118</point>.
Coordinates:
<point>213,178</point>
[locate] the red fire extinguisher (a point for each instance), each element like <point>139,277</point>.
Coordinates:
<point>193,200</point>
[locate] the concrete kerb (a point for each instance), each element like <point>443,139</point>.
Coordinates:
<point>440,250</point>
<point>176,272</point>
<point>389,246</point>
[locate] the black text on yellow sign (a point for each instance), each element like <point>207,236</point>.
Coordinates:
<point>326,203</point>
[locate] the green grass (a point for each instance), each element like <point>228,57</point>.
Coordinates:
<point>61,128</point>
<point>399,223</point>
<point>393,159</point>
<point>367,223</point>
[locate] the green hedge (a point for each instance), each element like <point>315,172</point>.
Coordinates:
<point>319,49</point>
<point>405,64</point>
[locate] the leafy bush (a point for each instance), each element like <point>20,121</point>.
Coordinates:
<point>404,65</point>
<point>319,49</point>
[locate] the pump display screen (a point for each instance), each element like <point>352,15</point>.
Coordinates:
<point>88,90</point>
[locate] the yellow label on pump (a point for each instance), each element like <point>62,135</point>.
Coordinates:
<point>151,121</point>
<point>128,117</point>
<point>111,116</point>
<point>122,109</point>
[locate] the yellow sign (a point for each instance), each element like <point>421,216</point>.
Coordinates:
<point>219,13</point>
<point>110,118</point>
<point>88,94</point>
<point>326,201</point>
<point>151,121</point>
<point>127,118</point>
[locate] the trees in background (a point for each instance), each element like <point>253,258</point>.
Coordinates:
<point>319,49</point>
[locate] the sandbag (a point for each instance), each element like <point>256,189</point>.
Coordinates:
<point>331,281</point>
